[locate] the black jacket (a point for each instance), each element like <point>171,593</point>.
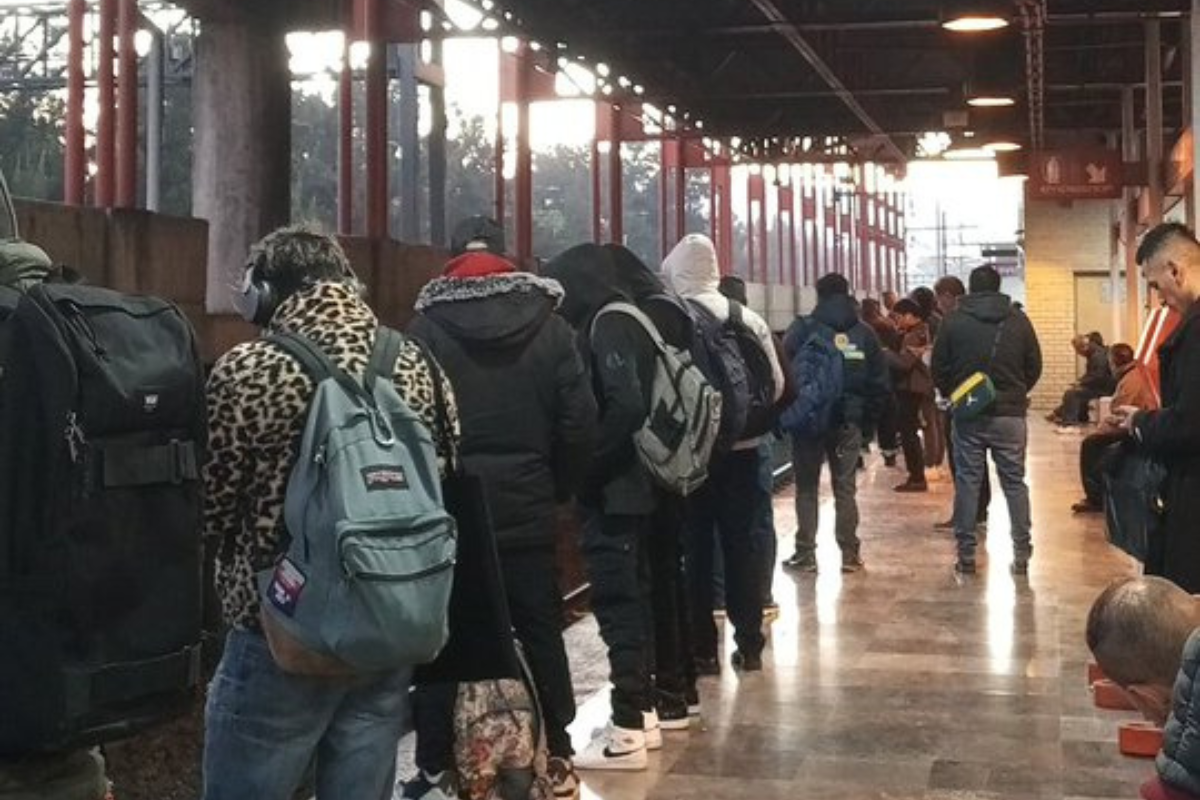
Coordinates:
<point>621,358</point>
<point>1172,435</point>
<point>865,372</point>
<point>1178,762</point>
<point>1098,377</point>
<point>666,310</point>
<point>964,347</point>
<point>527,417</point>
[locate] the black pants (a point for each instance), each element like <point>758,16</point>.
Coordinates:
<point>725,507</point>
<point>1092,455</point>
<point>908,420</point>
<point>985,487</point>
<point>535,604</point>
<point>1074,406</point>
<point>885,431</point>
<point>615,552</point>
<point>673,670</point>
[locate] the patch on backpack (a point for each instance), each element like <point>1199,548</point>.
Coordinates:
<point>286,586</point>
<point>384,477</point>
<point>150,401</point>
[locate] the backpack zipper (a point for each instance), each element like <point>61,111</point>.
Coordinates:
<point>375,577</point>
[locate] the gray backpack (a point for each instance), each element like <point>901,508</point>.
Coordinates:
<point>364,583</point>
<point>676,441</point>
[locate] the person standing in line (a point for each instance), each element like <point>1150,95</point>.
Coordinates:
<point>885,431</point>
<point>948,291</point>
<point>987,334</point>
<point>528,417</point>
<point>729,501</point>
<point>912,384</point>
<point>1170,259</point>
<point>864,386</point>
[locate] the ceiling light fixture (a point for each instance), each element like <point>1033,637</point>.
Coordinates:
<point>1003,146</point>
<point>975,17</point>
<point>990,101</point>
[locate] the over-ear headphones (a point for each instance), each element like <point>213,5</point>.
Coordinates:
<point>261,295</point>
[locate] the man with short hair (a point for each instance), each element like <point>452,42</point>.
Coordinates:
<point>264,727</point>
<point>986,334</point>
<point>864,386</point>
<point>1170,259</point>
<point>1097,381</point>
<point>1142,633</point>
<point>1134,390</point>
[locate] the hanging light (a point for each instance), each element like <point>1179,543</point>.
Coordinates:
<point>976,16</point>
<point>1003,146</point>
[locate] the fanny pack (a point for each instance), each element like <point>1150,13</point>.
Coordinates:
<point>977,393</point>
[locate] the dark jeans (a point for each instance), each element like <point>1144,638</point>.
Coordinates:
<point>985,484</point>
<point>886,432</point>
<point>1074,406</point>
<point>1092,455</point>
<point>674,672</point>
<point>725,507</point>
<point>615,553</point>
<point>1006,438</point>
<point>908,419</point>
<point>535,605</point>
<point>764,531</point>
<point>840,448</point>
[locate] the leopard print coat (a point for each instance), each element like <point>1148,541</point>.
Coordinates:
<point>257,403</point>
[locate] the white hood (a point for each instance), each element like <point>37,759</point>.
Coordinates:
<point>691,268</point>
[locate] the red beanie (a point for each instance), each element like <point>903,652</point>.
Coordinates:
<point>477,265</point>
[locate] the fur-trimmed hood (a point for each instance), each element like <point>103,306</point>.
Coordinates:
<point>497,310</point>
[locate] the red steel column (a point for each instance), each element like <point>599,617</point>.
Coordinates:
<point>377,124</point>
<point>105,139</point>
<point>127,105</point>
<point>668,156</point>
<point>722,222</point>
<point>681,147</point>
<point>499,188</point>
<point>523,198</point>
<point>346,143</point>
<point>597,194</point>
<point>75,168</point>
<point>616,205</point>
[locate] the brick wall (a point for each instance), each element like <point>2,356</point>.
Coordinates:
<point>1060,238</point>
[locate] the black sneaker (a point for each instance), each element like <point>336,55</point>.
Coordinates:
<point>911,486</point>
<point>965,566</point>
<point>747,662</point>
<point>946,525</point>
<point>801,563</point>
<point>692,698</point>
<point>1020,564</point>
<point>672,711</point>
<point>425,786</point>
<point>707,666</point>
<point>889,460</point>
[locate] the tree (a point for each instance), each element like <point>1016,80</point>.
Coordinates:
<point>31,139</point>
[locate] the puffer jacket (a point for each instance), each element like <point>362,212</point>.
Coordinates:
<point>257,405</point>
<point>691,269</point>
<point>967,340</point>
<point>526,409</point>
<point>1178,762</point>
<point>621,358</point>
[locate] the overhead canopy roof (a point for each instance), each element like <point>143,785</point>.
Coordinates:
<point>878,72</point>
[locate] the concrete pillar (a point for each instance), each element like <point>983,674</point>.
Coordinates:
<point>241,167</point>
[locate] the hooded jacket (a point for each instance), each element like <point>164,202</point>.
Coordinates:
<point>665,309</point>
<point>524,405</point>
<point>691,269</point>
<point>865,381</point>
<point>1178,762</point>
<point>965,346</point>
<point>621,358</point>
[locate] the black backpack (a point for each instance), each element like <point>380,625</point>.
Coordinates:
<point>730,355</point>
<point>101,442</point>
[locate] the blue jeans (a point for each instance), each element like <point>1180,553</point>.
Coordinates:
<point>264,728</point>
<point>1006,438</point>
<point>763,534</point>
<point>841,448</point>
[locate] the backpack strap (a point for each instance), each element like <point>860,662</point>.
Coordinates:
<point>454,463</point>
<point>735,312</point>
<point>316,363</point>
<point>383,355</point>
<point>630,310</point>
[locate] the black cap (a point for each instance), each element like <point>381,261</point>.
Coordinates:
<point>477,234</point>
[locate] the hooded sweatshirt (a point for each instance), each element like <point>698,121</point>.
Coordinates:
<point>666,309</point>
<point>621,357</point>
<point>691,270</point>
<point>524,404</point>
<point>965,346</point>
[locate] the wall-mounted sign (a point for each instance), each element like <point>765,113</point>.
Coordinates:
<point>1081,174</point>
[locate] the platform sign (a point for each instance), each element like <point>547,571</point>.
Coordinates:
<point>1081,174</point>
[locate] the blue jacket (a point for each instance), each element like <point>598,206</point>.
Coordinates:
<point>1179,760</point>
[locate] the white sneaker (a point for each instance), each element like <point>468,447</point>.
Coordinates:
<point>652,730</point>
<point>615,748</point>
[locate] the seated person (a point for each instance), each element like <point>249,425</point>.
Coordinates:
<point>1142,632</point>
<point>1097,381</point>
<point>1134,388</point>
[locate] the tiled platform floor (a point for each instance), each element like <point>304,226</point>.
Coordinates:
<point>905,682</point>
